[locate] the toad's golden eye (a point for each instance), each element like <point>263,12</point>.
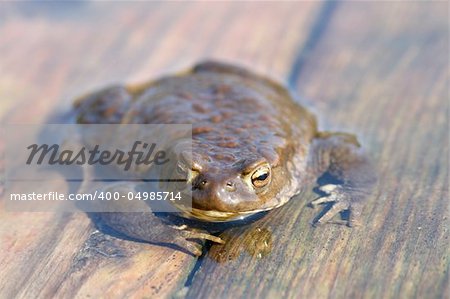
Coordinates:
<point>261,176</point>
<point>181,169</point>
<point>184,172</point>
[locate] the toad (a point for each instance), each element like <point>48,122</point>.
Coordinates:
<point>253,148</point>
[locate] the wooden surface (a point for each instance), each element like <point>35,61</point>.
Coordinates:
<point>379,70</point>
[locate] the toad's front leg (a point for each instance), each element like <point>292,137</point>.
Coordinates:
<point>341,156</point>
<point>146,226</point>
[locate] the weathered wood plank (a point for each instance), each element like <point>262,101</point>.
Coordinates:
<point>379,70</point>
<point>53,52</point>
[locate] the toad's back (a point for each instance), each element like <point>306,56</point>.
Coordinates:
<point>234,115</point>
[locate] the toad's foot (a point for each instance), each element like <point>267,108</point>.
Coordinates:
<point>342,201</point>
<point>185,238</point>
<point>340,155</point>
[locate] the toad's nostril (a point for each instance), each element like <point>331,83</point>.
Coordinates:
<point>230,186</point>
<point>202,184</point>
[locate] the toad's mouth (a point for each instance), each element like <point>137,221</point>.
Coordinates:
<point>213,215</point>
<point>224,216</point>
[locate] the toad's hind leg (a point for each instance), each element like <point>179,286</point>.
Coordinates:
<point>106,106</point>
<point>341,156</point>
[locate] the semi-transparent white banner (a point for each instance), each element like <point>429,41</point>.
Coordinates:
<point>97,167</point>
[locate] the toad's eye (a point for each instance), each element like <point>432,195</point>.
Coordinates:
<point>261,176</point>
<point>181,169</point>
<point>185,172</point>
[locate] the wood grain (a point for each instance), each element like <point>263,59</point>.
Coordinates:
<point>379,70</point>
<point>51,53</point>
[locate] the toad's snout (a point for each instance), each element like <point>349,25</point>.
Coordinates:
<point>204,184</point>
<point>221,194</point>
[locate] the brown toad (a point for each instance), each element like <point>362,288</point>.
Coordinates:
<point>253,148</point>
